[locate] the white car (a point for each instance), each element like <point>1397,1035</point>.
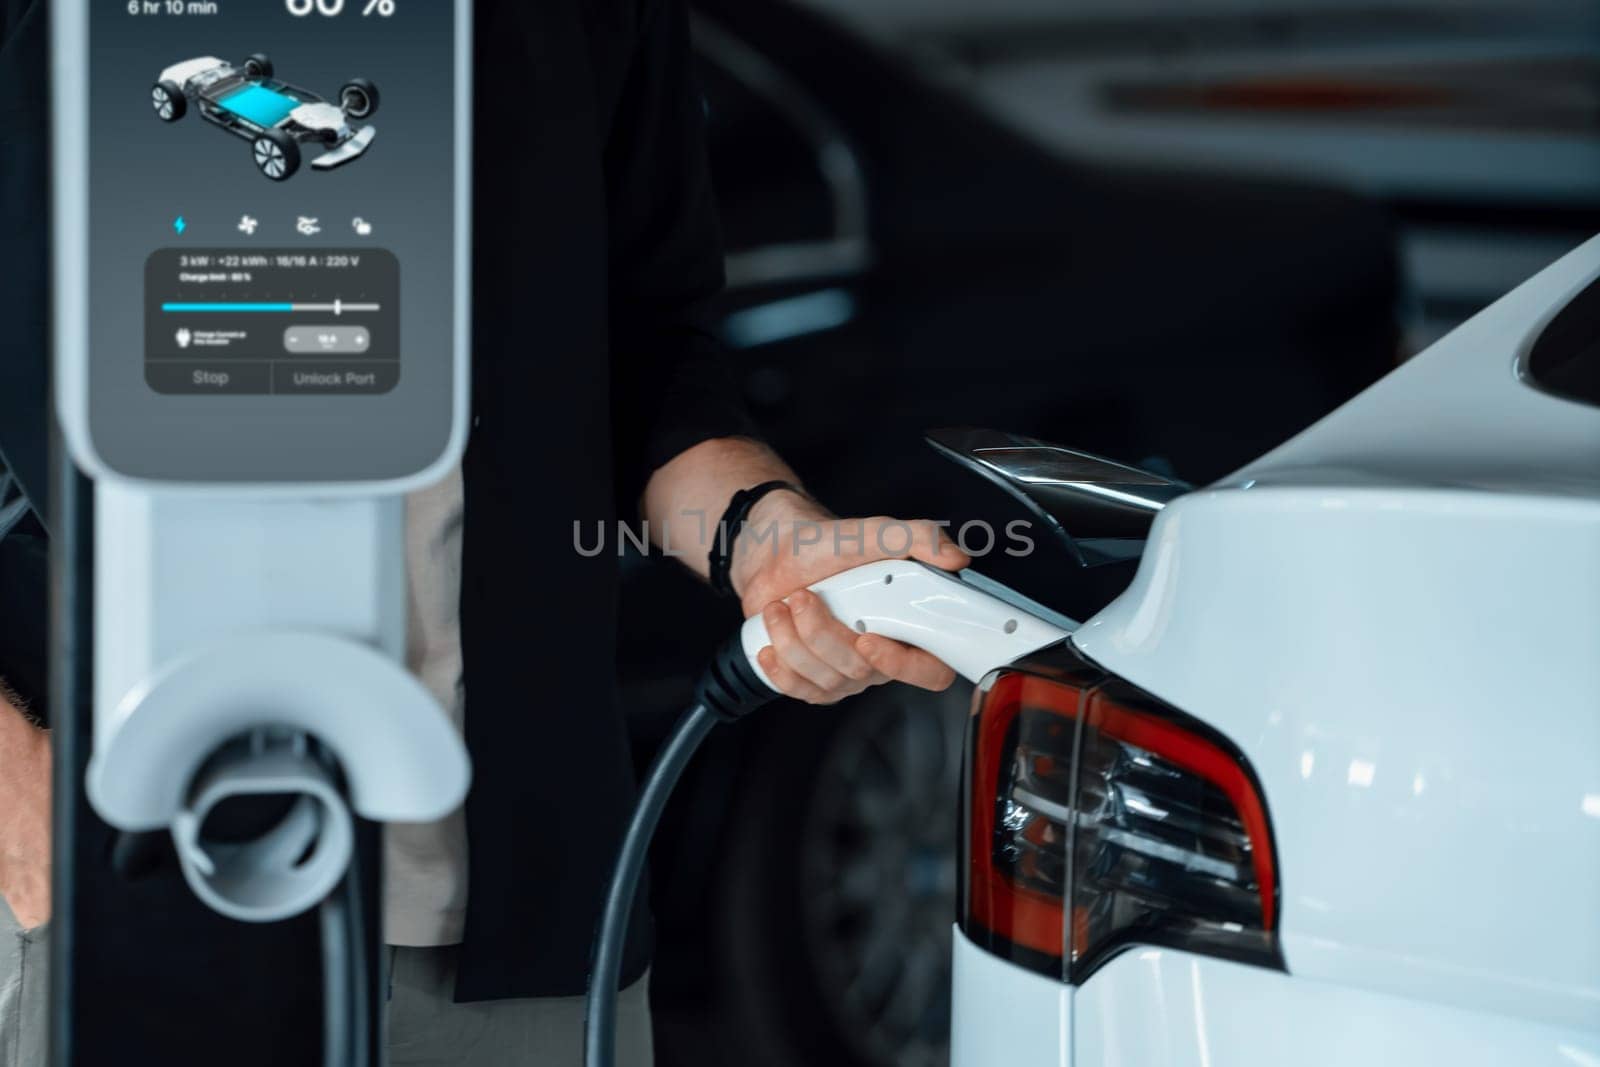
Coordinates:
<point>1323,785</point>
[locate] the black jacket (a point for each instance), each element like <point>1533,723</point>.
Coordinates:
<point>597,248</point>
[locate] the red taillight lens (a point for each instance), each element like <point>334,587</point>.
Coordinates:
<point>1089,797</point>
<point>1016,847</point>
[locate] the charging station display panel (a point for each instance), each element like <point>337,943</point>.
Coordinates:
<point>273,253</point>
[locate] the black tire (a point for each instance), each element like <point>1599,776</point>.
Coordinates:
<point>257,65</point>
<point>168,101</point>
<point>359,98</point>
<point>276,154</point>
<point>789,926</point>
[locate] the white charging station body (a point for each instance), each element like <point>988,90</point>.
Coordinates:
<point>247,630</point>
<point>218,617</point>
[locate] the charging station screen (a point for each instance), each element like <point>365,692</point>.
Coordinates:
<point>271,212</point>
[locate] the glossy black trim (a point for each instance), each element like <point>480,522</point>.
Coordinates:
<point>1565,359</point>
<point>1098,509</point>
<point>1060,662</point>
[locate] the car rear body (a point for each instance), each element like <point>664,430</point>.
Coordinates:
<point>1393,620</point>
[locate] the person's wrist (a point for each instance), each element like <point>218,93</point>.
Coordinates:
<point>785,506</point>
<point>758,543</point>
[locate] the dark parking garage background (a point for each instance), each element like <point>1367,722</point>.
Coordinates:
<point>1169,232</point>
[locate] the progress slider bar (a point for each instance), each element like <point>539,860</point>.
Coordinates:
<point>338,307</point>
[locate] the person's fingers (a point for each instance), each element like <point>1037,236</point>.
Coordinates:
<point>787,681</point>
<point>933,546</point>
<point>829,639</point>
<point>904,663</point>
<point>794,652</point>
<point>920,539</point>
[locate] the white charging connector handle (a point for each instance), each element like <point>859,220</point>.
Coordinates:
<point>969,629</point>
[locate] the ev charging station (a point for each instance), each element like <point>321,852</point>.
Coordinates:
<point>253,362</point>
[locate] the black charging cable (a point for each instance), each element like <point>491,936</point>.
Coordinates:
<point>345,1007</point>
<point>346,986</point>
<point>728,690</point>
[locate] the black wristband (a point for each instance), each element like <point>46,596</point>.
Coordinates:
<point>727,531</point>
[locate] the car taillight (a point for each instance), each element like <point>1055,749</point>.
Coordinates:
<point>1091,799</point>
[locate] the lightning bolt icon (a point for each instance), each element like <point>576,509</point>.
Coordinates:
<point>180,224</point>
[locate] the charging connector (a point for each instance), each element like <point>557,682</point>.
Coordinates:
<point>730,687</point>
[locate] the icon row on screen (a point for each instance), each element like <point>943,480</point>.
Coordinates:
<point>304,225</point>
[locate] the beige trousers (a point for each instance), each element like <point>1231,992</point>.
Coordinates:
<point>428,1029</point>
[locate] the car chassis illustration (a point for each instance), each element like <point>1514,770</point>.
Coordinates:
<point>274,116</point>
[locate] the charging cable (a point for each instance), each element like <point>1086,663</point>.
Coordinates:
<point>728,690</point>
<point>972,624</point>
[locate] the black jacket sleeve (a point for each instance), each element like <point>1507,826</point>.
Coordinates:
<point>671,387</point>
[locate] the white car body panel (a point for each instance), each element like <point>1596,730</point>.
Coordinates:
<point>1396,617</point>
<point>1003,1015</point>
<point>1458,414</point>
<point>1156,1007</point>
<point>1414,676</point>
<point>189,68</point>
<point>1160,1008</point>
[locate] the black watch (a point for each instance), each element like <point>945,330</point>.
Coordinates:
<point>727,531</point>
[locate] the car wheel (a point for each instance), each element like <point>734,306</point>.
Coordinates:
<point>842,881</point>
<point>359,98</point>
<point>258,65</point>
<point>277,155</point>
<point>168,101</point>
